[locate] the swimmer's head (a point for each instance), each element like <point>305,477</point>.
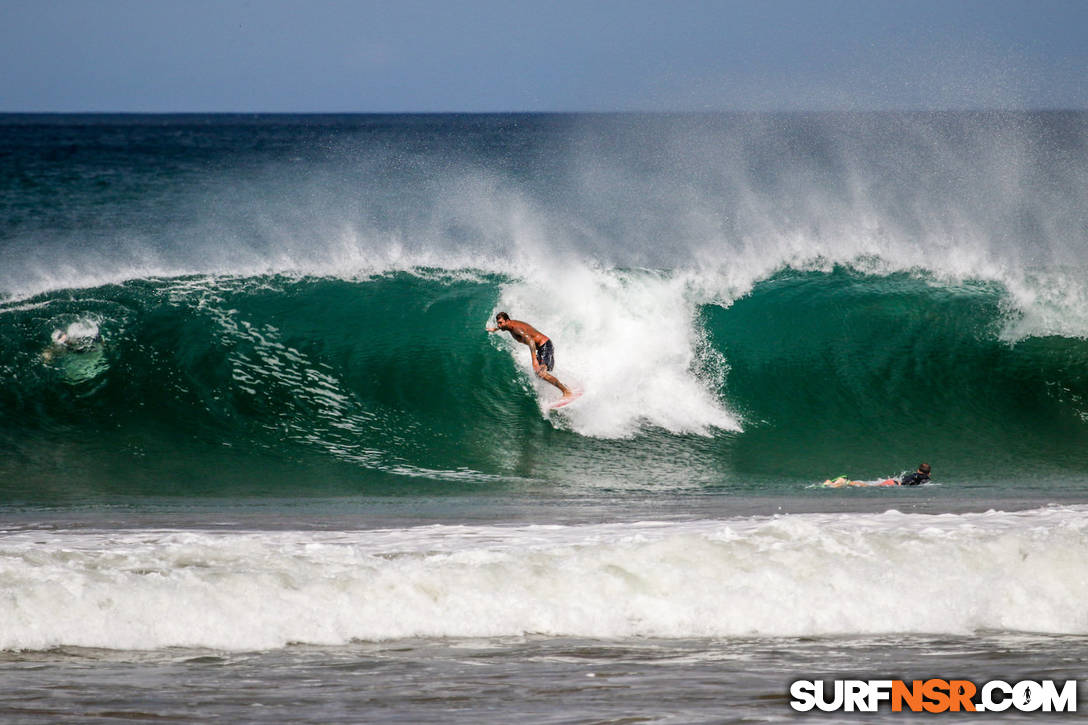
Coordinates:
<point>59,337</point>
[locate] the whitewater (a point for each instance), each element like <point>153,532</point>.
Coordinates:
<point>792,576</point>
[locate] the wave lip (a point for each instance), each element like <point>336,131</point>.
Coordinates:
<point>803,575</point>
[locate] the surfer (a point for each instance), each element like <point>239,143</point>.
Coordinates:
<point>917,478</point>
<point>78,338</point>
<point>910,479</point>
<point>59,346</point>
<point>541,351</point>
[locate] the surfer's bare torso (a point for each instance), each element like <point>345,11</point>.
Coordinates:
<point>525,333</point>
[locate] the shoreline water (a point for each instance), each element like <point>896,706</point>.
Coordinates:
<point>739,678</point>
<point>791,575</point>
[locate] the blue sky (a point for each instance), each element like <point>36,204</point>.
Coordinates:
<point>548,55</point>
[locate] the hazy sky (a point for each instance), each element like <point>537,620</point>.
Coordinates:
<point>544,55</point>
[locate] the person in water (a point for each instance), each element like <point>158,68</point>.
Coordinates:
<point>59,346</point>
<point>910,479</point>
<point>917,478</point>
<point>541,351</point>
<point>78,338</point>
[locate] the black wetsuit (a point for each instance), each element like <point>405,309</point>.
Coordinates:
<point>914,479</point>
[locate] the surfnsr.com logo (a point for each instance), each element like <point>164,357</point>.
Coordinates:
<point>933,695</point>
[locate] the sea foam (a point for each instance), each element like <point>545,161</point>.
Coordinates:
<point>783,576</point>
<point>632,342</point>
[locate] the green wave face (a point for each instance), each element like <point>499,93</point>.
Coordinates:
<point>876,374</point>
<point>313,378</point>
<point>277,386</point>
<point>273,386</point>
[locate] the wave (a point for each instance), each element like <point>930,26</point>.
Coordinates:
<point>869,368</point>
<point>737,198</point>
<point>292,304</point>
<point>276,380</point>
<point>788,576</point>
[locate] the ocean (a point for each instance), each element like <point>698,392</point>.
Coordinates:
<point>261,461</point>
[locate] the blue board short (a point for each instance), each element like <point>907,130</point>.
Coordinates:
<point>545,355</point>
